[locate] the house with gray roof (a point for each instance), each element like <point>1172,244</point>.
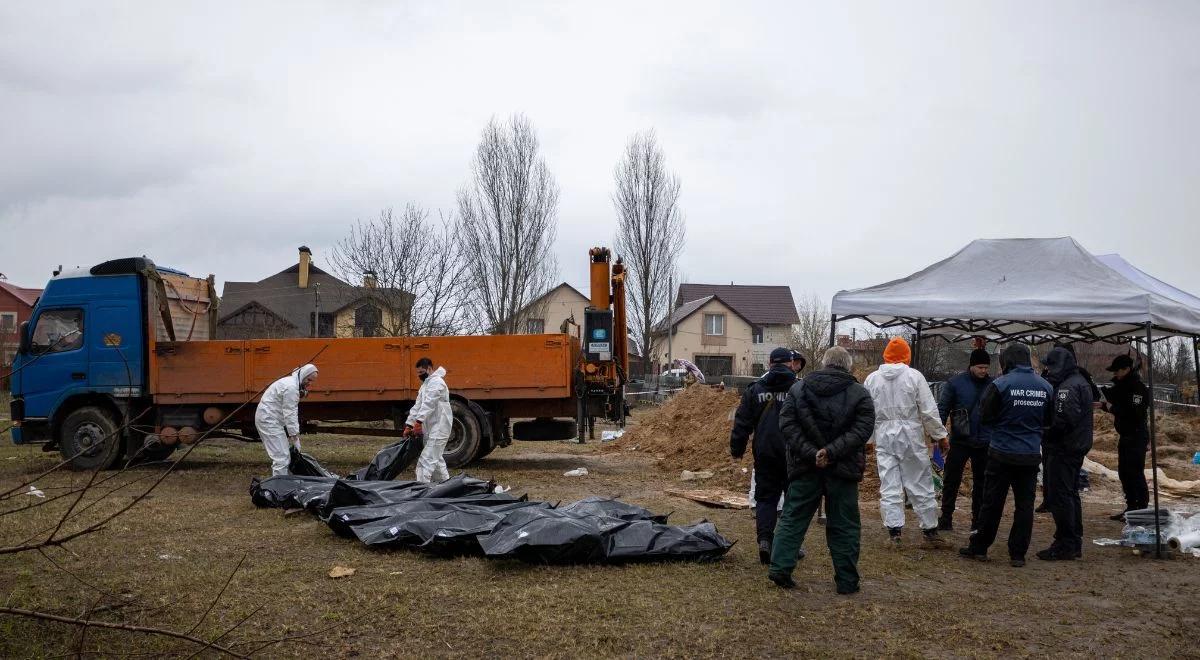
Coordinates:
<point>303,300</point>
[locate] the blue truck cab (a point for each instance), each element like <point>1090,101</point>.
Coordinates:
<point>80,374</point>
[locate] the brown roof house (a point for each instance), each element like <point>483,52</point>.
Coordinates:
<point>305,301</point>
<point>770,311</point>
<point>16,305</point>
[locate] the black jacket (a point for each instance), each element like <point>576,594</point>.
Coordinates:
<point>827,410</point>
<point>965,391</point>
<point>758,414</point>
<point>1128,401</point>
<point>1070,432</point>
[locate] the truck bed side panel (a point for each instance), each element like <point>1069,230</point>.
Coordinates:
<point>371,369</point>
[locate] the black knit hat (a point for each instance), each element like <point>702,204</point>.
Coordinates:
<point>980,356</point>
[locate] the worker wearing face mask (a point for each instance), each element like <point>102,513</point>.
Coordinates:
<point>278,415</point>
<point>432,420</point>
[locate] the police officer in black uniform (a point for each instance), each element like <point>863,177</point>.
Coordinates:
<point>758,415</point>
<point>1128,399</point>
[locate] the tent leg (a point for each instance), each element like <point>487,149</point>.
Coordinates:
<point>917,349</point>
<point>1153,440</point>
<point>1196,365</point>
<point>832,336</point>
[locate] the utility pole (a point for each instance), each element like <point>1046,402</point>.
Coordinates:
<point>670,327</point>
<point>316,326</point>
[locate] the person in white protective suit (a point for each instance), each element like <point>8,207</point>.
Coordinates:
<point>904,412</point>
<point>432,418</point>
<point>277,418</point>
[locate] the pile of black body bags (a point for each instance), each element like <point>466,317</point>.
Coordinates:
<point>466,516</point>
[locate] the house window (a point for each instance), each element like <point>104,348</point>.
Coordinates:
<point>758,335</point>
<point>58,330</point>
<point>8,322</point>
<point>368,320</point>
<point>714,325</point>
<point>535,326</point>
<point>757,368</point>
<point>324,325</point>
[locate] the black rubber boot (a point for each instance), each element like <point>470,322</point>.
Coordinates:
<point>782,581</point>
<point>764,552</point>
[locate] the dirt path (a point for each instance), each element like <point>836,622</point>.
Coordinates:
<point>174,550</point>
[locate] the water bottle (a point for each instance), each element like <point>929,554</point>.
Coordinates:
<point>1196,458</point>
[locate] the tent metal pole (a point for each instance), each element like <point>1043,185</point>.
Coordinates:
<point>917,342</point>
<point>1153,440</point>
<point>1196,365</point>
<point>832,334</point>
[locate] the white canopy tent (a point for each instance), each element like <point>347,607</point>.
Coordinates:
<point>1034,290</point>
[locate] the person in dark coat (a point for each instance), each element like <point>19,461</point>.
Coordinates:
<point>1128,399</point>
<point>1081,479</point>
<point>826,420</point>
<point>1015,409</point>
<point>1067,441</point>
<point>758,415</point>
<point>959,402</point>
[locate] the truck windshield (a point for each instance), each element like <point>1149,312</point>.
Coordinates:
<point>58,330</point>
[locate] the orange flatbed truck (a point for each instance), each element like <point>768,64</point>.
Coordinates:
<point>118,359</point>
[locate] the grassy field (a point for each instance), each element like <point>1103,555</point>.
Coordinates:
<point>163,562</point>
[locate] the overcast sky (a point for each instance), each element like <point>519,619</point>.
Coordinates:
<point>819,145</point>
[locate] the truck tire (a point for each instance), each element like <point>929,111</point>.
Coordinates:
<point>88,438</point>
<point>545,429</point>
<point>465,436</point>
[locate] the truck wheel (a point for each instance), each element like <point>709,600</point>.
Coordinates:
<point>465,436</point>
<point>88,438</point>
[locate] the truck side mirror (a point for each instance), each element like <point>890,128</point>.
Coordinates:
<point>23,341</point>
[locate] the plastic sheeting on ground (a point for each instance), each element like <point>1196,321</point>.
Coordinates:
<point>390,461</point>
<point>461,516</point>
<point>465,516</point>
<point>303,465</point>
<point>559,536</point>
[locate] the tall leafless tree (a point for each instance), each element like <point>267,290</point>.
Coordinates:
<point>650,234</point>
<point>811,335</point>
<point>416,267</point>
<point>508,220</point>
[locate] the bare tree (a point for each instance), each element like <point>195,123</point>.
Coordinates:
<point>508,216</point>
<point>811,335</point>
<point>92,508</point>
<point>650,235</point>
<point>410,267</point>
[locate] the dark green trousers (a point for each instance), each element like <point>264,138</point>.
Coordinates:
<point>843,531</point>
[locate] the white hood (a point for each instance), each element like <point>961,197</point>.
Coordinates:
<point>304,372</point>
<point>892,371</point>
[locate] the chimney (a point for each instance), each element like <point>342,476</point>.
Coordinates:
<point>305,261</point>
<point>369,279</point>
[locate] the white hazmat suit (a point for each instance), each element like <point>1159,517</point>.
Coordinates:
<point>432,409</point>
<point>904,412</point>
<point>277,417</point>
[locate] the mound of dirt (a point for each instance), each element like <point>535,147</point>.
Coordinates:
<point>690,431</point>
<point>1178,438</point>
<point>1172,428</point>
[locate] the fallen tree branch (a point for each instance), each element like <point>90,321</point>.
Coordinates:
<point>219,594</point>
<point>232,628</point>
<point>61,464</point>
<point>90,623</point>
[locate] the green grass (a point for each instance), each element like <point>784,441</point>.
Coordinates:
<point>915,602</point>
